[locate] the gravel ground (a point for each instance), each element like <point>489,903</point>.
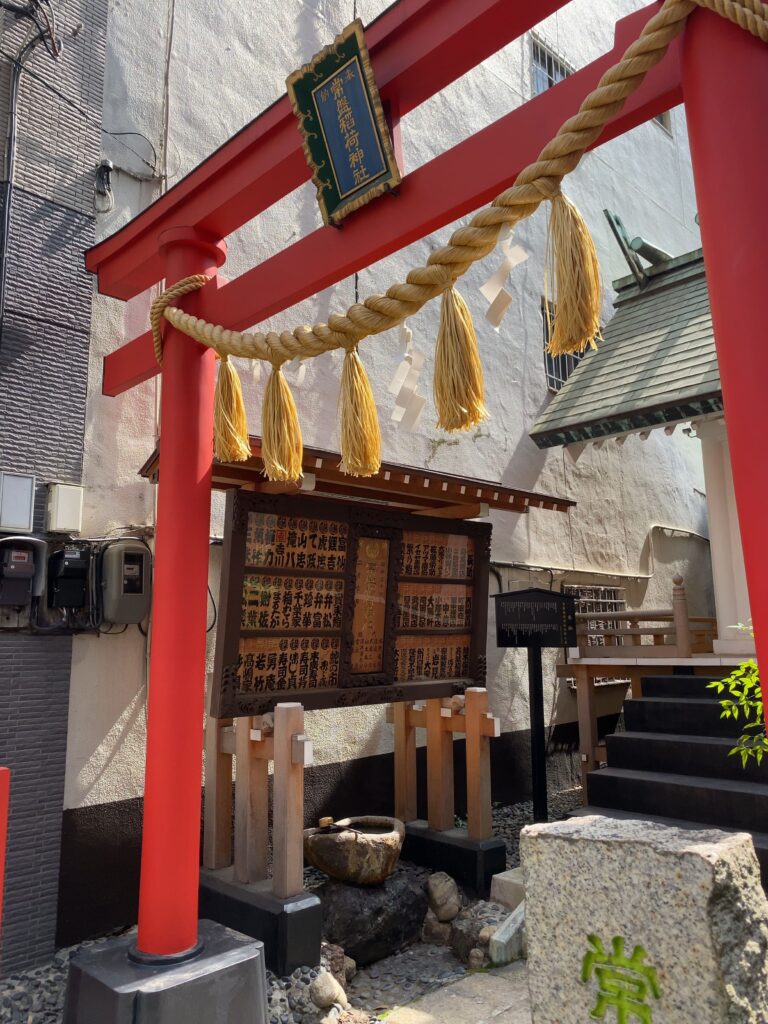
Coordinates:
<point>36,996</point>
<point>509,819</point>
<point>401,978</point>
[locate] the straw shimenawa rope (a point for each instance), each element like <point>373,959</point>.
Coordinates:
<point>539,181</point>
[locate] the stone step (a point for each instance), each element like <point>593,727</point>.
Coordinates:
<point>718,802</point>
<point>692,716</point>
<point>682,754</point>
<point>683,687</point>
<point>760,839</point>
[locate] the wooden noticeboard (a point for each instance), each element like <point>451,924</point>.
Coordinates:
<point>535,618</point>
<point>335,603</point>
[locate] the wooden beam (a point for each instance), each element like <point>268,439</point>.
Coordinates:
<point>437,193</point>
<point>417,48</point>
<point>471,510</point>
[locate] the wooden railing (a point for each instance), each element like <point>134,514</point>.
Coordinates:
<point>648,633</point>
<point>629,638</point>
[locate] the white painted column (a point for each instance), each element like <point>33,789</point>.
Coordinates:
<point>731,596</point>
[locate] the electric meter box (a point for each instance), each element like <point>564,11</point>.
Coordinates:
<point>126,582</point>
<point>17,571</point>
<point>68,577</point>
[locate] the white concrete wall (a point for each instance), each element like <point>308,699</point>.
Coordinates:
<point>228,62</point>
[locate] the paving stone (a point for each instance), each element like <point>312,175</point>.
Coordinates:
<point>508,888</point>
<point>508,942</point>
<point>498,996</point>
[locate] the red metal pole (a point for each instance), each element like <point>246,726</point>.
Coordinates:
<point>170,854</point>
<point>725,84</point>
<point>5,794</point>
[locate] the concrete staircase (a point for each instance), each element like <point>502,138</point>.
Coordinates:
<point>672,765</point>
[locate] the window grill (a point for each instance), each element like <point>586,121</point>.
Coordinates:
<point>556,368</point>
<point>548,69</point>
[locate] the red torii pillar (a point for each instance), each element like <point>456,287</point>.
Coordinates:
<point>176,698</point>
<point>725,85</point>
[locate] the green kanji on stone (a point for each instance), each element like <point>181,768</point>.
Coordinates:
<point>625,984</point>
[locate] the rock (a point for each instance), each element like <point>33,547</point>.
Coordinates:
<point>466,928</point>
<point>476,959</point>
<point>373,922</point>
<point>362,850</point>
<point>444,896</point>
<point>326,991</point>
<point>508,888</point>
<point>332,959</point>
<point>687,906</point>
<point>350,968</point>
<point>485,936</point>
<point>353,1016</point>
<point>434,931</point>
<point>508,941</point>
<point>455,704</point>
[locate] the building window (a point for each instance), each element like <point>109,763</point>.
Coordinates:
<point>665,120</point>
<point>548,68</point>
<point>557,368</point>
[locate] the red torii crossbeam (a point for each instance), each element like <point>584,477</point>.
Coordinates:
<point>447,187</point>
<point>417,47</point>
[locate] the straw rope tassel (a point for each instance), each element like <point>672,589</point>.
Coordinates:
<point>230,425</point>
<point>282,448</point>
<point>458,380</point>
<point>360,433</point>
<point>573,275</point>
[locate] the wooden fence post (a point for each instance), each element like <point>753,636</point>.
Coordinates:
<point>217,808</point>
<point>439,769</point>
<point>585,703</point>
<point>251,807</point>
<point>288,790</point>
<point>405,764</point>
<point>479,812</point>
<point>680,617</point>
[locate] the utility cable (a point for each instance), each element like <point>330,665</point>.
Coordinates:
<point>86,116</point>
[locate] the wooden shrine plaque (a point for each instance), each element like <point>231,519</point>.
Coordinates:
<point>368,621</point>
<point>335,604</point>
<point>347,142</point>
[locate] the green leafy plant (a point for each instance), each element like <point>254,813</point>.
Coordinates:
<point>745,700</point>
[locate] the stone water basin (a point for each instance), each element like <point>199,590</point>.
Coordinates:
<point>361,851</point>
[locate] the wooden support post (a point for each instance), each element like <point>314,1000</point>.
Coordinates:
<point>405,764</point>
<point>439,769</point>
<point>288,816</point>
<point>636,687</point>
<point>479,819</point>
<point>585,702</point>
<point>251,808</point>
<point>680,616</point>
<point>217,808</point>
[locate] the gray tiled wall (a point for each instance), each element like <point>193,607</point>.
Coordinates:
<point>43,380</point>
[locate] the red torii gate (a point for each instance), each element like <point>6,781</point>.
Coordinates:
<point>417,48</point>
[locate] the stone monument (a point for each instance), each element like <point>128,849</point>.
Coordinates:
<point>638,923</point>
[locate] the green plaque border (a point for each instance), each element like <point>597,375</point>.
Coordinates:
<point>301,84</point>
